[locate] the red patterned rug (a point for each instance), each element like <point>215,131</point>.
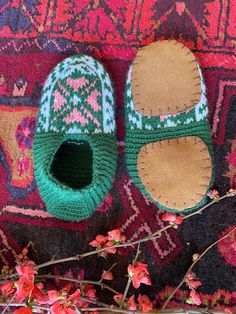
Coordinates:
<point>34,36</point>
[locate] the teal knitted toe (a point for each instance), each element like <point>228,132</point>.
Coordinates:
<point>75,146</point>
<point>151,134</point>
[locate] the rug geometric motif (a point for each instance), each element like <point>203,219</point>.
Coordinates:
<point>34,36</point>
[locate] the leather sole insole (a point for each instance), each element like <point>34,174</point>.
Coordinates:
<point>176,172</point>
<point>165,79</point>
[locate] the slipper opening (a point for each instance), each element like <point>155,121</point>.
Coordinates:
<point>72,164</point>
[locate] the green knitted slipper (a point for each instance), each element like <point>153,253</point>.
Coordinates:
<point>75,145</point>
<point>168,140</point>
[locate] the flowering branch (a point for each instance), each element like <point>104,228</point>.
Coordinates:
<point>133,243</point>
<point>129,278</point>
<point>25,289</point>
<point>155,235</point>
<point>199,257</point>
<point>97,283</point>
<point>231,193</point>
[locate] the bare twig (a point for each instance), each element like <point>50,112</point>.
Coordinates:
<point>193,264</point>
<point>102,285</point>
<point>98,303</point>
<point>23,304</point>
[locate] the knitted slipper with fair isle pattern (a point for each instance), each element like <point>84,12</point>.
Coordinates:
<point>75,146</point>
<point>168,141</point>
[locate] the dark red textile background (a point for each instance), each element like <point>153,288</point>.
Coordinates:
<point>34,36</point>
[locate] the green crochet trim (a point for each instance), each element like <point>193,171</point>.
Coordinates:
<point>65,202</point>
<point>141,130</point>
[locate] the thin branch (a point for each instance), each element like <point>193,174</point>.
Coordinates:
<point>78,257</point>
<point>95,302</point>
<point>102,285</point>
<point>129,279</point>
<point>24,305</point>
<point>58,261</point>
<point>194,263</point>
<point>199,211</point>
<point>98,303</point>
<point>9,303</point>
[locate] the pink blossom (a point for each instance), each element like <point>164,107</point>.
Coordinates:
<point>75,296</point>
<point>214,195</point>
<point>61,308</point>
<point>87,291</point>
<point>23,310</point>
<point>90,292</point>
<point>107,275</point>
<point>39,296</point>
<point>7,289</point>
<point>145,303</point>
<point>26,270</point>
<point>139,274</point>
<point>195,297</point>
<point>191,281</point>
<point>112,250</point>
<point>172,218</point>
<point>118,298</point>
<point>132,306</point>
<point>54,296</point>
<point>101,242</point>
<point>25,251</point>
<point>25,286</point>
<point>115,236</point>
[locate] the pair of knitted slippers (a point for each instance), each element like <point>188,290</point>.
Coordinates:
<point>168,141</point>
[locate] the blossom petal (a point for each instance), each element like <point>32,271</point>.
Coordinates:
<point>145,303</point>
<point>23,310</point>
<point>131,304</point>
<point>107,275</point>
<point>171,217</point>
<point>195,297</point>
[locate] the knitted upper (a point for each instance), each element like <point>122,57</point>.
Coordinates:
<point>136,120</point>
<point>80,96</point>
